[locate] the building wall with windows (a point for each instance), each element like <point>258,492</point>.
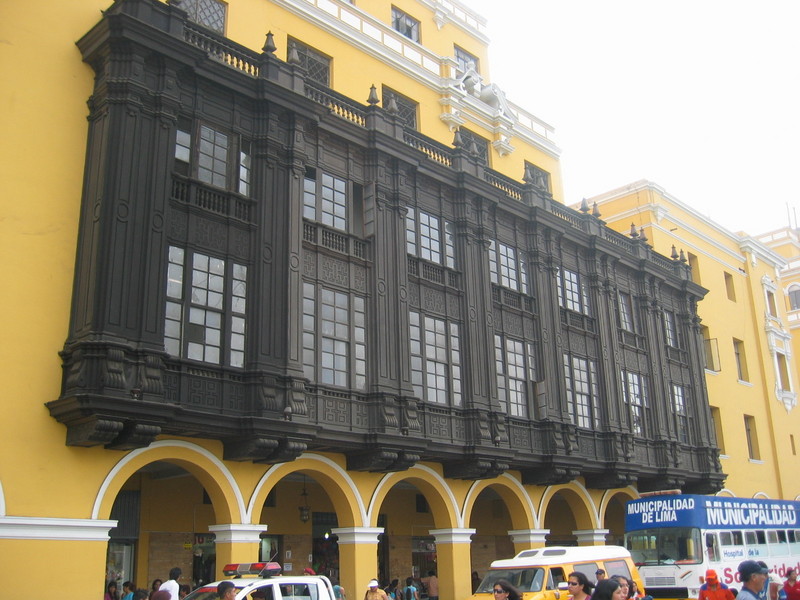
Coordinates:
<point>251,315</point>
<point>751,365</point>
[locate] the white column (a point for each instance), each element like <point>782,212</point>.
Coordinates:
<point>591,537</point>
<point>237,533</point>
<point>529,538</point>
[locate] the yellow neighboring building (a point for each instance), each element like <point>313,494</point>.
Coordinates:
<point>751,367</point>
<point>293,280</point>
<point>786,243</point>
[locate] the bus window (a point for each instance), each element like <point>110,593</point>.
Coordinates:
<point>588,569</point>
<point>756,543</point>
<point>738,540</point>
<point>556,577</point>
<point>712,548</point>
<point>617,567</point>
<point>777,542</point>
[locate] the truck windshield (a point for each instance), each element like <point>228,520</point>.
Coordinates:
<point>665,546</point>
<point>525,579</point>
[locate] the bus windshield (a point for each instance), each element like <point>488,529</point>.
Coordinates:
<point>665,546</point>
<point>526,579</point>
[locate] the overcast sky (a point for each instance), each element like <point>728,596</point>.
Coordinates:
<point>701,97</point>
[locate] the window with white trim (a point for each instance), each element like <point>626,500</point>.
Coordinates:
<point>405,24</point>
<point>435,359</point>
<point>205,311</point>
<point>635,397</point>
<point>465,60</point>
<point>583,391</point>
<point>572,291</point>
<point>334,337</point>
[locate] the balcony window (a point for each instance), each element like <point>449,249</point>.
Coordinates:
<point>681,412</point>
<point>572,291</point>
<point>635,396</point>
<point>626,312</point>
<point>205,312</point>
<point>334,337</point>
<point>427,239</point>
<point>435,359</point>
<point>325,199</point>
<point>506,268</point>
<point>583,391</point>
<point>214,157</point>
<point>512,370</point>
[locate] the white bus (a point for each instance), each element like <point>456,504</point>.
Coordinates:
<point>674,538</point>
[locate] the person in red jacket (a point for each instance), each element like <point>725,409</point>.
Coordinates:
<point>792,585</point>
<point>714,589</point>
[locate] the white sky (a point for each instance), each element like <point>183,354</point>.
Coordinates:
<point>701,97</point>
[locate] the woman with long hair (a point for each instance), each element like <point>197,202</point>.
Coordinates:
<point>503,590</point>
<point>609,589</point>
<point>625,584</point>
<point>579,586</point>
<point>111,591</point>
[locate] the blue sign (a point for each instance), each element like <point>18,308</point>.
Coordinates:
<point>710,512</point>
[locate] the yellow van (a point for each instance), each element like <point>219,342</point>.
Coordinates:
<point>541,573</point>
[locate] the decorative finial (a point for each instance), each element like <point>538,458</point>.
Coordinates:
<point>674,255</point>
<point>373,96</point>
<point>473,148</point>
<point>595,210</point>
<point>294,57</point>
<point>642,236</point>
<point>269,44</point>
<point>458,142</point>
<point>634,234</point>
<point>683,256</point>
<point>528,176</point>
<point>391,107</point>
<point>584,206</point>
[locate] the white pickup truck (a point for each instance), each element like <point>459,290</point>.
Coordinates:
<point>261,581</point>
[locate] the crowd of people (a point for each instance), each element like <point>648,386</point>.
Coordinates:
<point>409,591</point>
<point>159,590</point>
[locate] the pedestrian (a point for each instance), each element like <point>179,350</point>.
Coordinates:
<point>392,591</point>
<point>792,585</point>
<point>771,585</point>
<point>171,585</point>
<point>609,589</point>
<point>599,575</point>
<point>338,592</point>
<point>713,588</point>
<point>155,585</point>
<point>753,577</point>
<point>579,586</point>
<point>374,592</point>
<point>410,592</point>
<point>127,590</point>
<point>431,585</point>
<point>226,590</point>
<point>183,591</point>
<point>111,591</point>
<point>503,590</point>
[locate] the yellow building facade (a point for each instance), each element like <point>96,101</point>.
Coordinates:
<point>751,363</point>
<point>97,496</point>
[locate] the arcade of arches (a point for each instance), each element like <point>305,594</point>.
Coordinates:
<point>179,504</point>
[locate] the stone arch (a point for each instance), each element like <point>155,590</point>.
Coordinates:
<point>441,500</point>
<point>611,515</point>
<point>726,492</point>
<point>337,482</point>
<point>580,503</point>
<point>209,470</point>
<point>523,514</point>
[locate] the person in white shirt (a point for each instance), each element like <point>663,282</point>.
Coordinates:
<point>171,585</point>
